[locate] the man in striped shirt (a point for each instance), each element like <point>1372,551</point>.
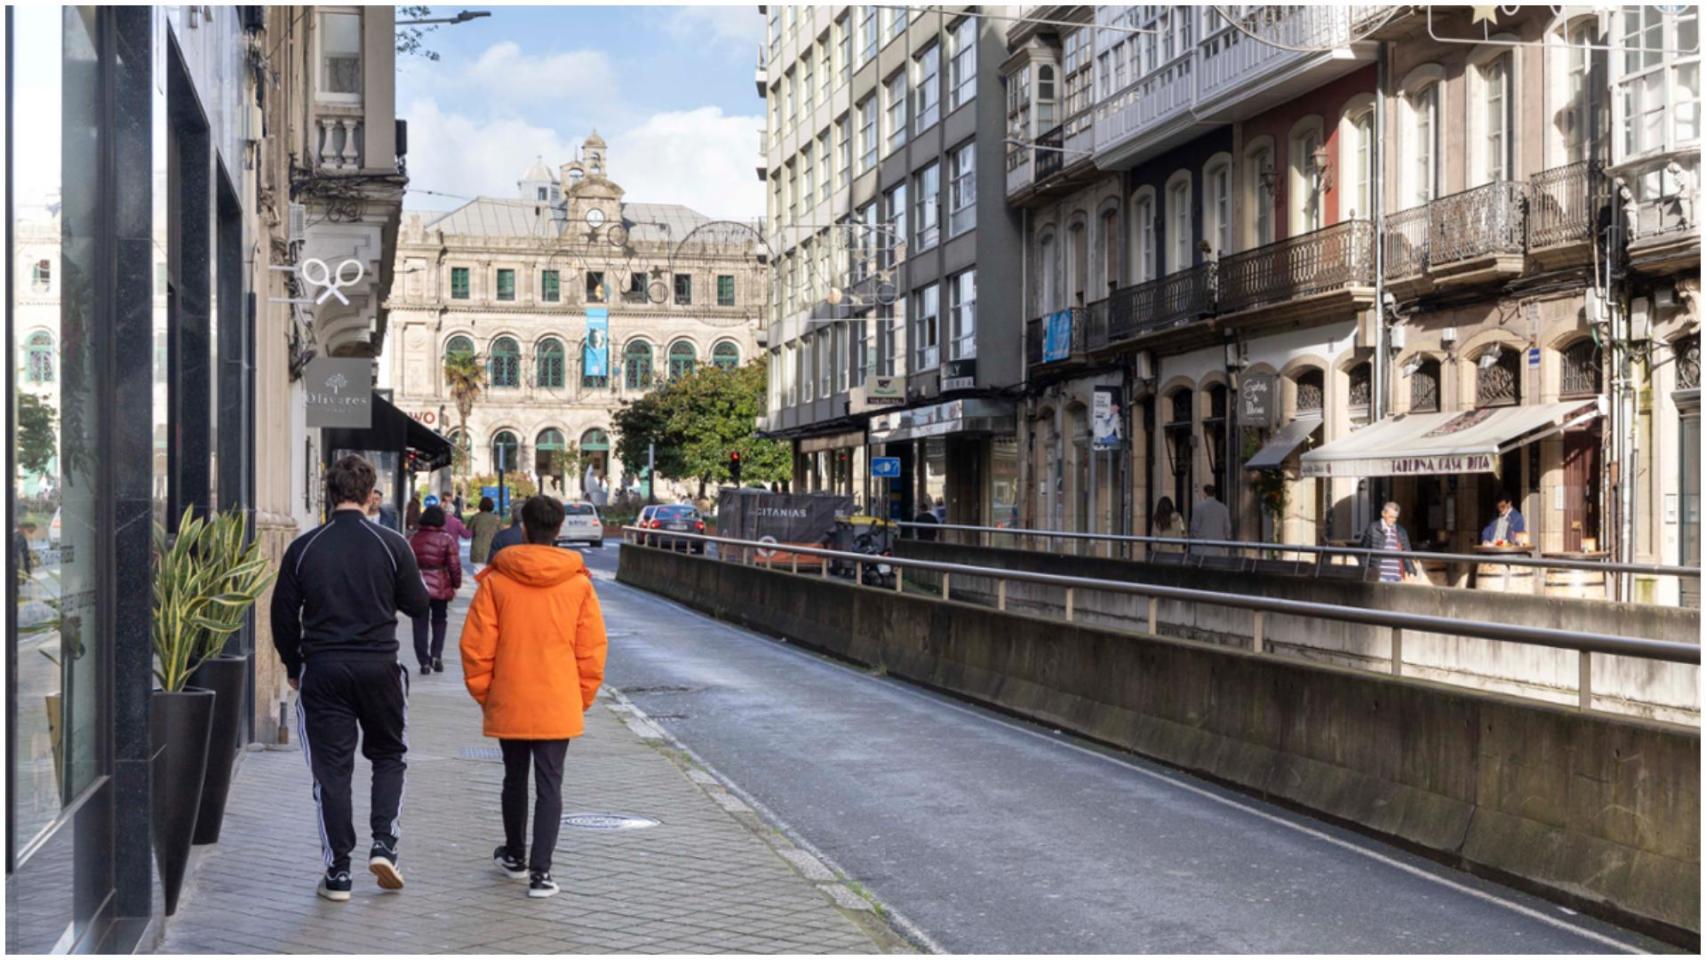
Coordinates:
<point>1386,534</point>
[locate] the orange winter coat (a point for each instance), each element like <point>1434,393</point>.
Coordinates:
<point>533,644</point>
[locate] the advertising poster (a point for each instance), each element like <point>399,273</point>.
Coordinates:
<point>1105,416</point>
<point>596,354</point>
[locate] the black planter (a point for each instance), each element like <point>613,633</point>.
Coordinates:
<point>178,725</point>
<point>227,677</point>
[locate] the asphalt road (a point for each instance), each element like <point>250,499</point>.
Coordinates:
<point>987,835</point>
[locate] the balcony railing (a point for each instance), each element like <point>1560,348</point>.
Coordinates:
<point>1049,153</point>
<point>1407,243</point>
<point>1328,259</point>
<point>1169,301</point>
<point>1479,222</point>
<point>1229,60</point>
<point>338,139</point>
<point>1564,204</point>
<point>1035,333</point>
<point>1157,97</point>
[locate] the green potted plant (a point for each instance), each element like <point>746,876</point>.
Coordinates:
<point>227,547</point>
<point>192,611</point>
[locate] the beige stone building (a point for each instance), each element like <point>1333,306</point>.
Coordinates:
<point>576,300</point>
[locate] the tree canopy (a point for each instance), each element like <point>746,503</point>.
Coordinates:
<point>36,443</point>
<point>697,421</point>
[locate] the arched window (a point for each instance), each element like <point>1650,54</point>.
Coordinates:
<point>1421,143</point>
<point>1310,392</point>
<point>1214,430</point>
<point>1356,160</point>
<point>637,365</point>
<point>1498,377</point>
<point>1078,266</point>
<point>1179,255</point>
<point>505,363</point>
<point>39,357</point>
<point>1046,273</point>
<point>1217,205</point>
<point>1361,392</point>
<point>505,451</point>
<point>725,355</point>
<point>1177,434</point>
<point>1143,237</point>
<point>549,363</point>
<point>682,358</point>
<point>1493,114</point>
<point>458,345</point>
<point>1110,240</point>
<point>1424,387</point>
<point>1258,190</point>
<point>595,452</point>
<point>548,450</point>
<point>1307,177</point>
<point>1581,373</point>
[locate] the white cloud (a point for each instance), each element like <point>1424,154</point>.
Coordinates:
<point>700,158</point>
<point>742,26</point>
<point>506,76</point>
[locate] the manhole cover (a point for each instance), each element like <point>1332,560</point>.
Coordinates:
<point>482,753</point>
<point>607,821</point>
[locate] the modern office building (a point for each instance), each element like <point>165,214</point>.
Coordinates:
<point>894,317</point>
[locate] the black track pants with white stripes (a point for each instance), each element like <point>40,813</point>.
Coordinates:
<point>337,696</point>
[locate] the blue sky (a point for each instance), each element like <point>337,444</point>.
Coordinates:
<point>670,89</point>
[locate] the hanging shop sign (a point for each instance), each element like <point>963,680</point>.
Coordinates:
<point>339,392</point>
<point>1256,400</point>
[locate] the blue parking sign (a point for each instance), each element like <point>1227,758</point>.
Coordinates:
<point>885,466</point>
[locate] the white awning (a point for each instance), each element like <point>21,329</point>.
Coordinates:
<point>1290,437</point>
<point>1434,443</point>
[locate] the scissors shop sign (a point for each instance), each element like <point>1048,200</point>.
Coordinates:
<point>325,280</point>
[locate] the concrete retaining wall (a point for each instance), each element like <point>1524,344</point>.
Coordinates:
<point>1601,811</point>
<point>1644,688</point>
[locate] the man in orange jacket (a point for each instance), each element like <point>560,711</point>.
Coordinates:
<point>533,656</point>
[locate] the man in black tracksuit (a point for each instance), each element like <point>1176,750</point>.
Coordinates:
<point>334,621</point>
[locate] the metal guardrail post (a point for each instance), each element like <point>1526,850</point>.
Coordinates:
<point>898,572</point>
<point>1256,625</point>
<point>794,563</point>
<point>1397,651</point>
<point>1154,607</point>
<point>1069,597</point>
<point>945,595</point>
<point>1584,683</point>
<point>1001,594</point>
<point>858,573</point>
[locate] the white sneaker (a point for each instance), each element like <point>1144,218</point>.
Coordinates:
<point>541,886</point>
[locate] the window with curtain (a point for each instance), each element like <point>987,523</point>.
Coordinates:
<point>637,366</point>
<point>1497,109</point>
<point>549,363</point>
<point>1259,167</point>
<point>1143,239</point>
<point>1423,145</point>
<point>41,275</point>
<point>505,363</point>
<point>725,355</point>
<point>1178,226</point>
<point>1362,166</point>
<point>1308,177</point>
<point>682,358</point>
<point>1217,207</point>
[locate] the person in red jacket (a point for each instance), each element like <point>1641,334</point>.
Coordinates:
<point>438,555</point>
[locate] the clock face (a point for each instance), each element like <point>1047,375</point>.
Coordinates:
<point>595,216</point>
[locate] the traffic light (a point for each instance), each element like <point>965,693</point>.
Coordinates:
<point>734,467</point>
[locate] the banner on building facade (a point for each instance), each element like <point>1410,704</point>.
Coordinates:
<point>1057,336</point>
<point>1105,419</point>
<point>595,356</point>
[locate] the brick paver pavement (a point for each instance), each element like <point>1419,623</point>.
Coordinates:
<point>709,878</point>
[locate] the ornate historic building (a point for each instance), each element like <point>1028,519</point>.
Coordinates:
<point>575,300</point>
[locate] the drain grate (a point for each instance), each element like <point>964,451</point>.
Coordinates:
<point>492,754</point>
<point>607,821</point>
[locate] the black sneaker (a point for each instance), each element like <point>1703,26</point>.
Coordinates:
<point>334,885</point>
<point>512,866</point>
<point>540,886</point>
<point>437,665</point>
<point>383,862</point>
<point>426,668</point>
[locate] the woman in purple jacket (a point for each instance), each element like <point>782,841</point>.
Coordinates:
<point>438,555</point>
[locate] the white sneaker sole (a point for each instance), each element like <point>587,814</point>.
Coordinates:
<point>534,894</point>
<point>336,896</point>
<point>511,874</point>
<point>390,878</point>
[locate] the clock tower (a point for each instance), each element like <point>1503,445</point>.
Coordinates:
<point>594,202</point>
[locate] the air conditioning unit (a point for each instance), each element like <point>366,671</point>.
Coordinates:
<point>298,223</point>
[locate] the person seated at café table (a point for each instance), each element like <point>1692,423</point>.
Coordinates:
<point>1506,527</point>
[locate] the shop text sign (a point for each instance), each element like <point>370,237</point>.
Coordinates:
<point>1450,463</point>
<point>339,392</point>
<point>425,417</point>
<point>1441,464</point>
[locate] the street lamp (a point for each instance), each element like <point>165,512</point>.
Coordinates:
<point>462,17</point>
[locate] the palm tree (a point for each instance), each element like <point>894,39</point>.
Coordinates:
<point>465,375</point>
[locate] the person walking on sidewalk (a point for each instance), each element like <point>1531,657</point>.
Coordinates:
<point>438,555</point>
<point>510,536</point>
<point>485,525</point>
<point>533,657</point>
<point>334,622</point>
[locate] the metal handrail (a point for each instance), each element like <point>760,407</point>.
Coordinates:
<point>1582,642</point>
<point>1511,560</point>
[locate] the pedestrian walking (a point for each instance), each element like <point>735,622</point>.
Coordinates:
<point>1386,534</point>
<point>412,514</point>
<point>509,536</point>
<point>925,516</point>
<point>1168,524</point>
<point>334,622</point>
<point>533,653</point>
<point>1210,521</point>
<point>485,525</point>
<point>439,557</point>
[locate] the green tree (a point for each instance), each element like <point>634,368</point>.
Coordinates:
<point>411,39</point>
<point>697,421</point>
<point>37,443</point>
<point>465,376</point>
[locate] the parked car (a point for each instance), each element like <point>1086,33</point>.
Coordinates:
<point>679,517</point>
<point>581,524</point>
<point>644,519</point>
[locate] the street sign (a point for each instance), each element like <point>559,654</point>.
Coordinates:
<point>885,467</point>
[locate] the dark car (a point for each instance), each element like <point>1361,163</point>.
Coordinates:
<point>681,518</point>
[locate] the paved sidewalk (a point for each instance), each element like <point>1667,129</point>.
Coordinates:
<point>709,878</point>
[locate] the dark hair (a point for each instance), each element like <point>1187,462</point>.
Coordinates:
<point>1211,490</point>
<point>1163,511</point>
<point>542,518</point>
<point>1504,498</point>
<point>432,517</point>
<point>486,505</point>
<point>350,480</point>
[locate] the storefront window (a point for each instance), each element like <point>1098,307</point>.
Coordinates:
<point>933,481</point>
<point>1004,482</point>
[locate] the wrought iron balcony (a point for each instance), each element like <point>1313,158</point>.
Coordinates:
<point>1171,301</point>
<point>1050,153</point>
<point>1564,205</point>
<point>1322,261</point>
<point>1406,252</point>
<point>1035,336</point>
<point>1485,221</point>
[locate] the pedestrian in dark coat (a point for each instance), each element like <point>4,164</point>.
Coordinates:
<point>438,554</point>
